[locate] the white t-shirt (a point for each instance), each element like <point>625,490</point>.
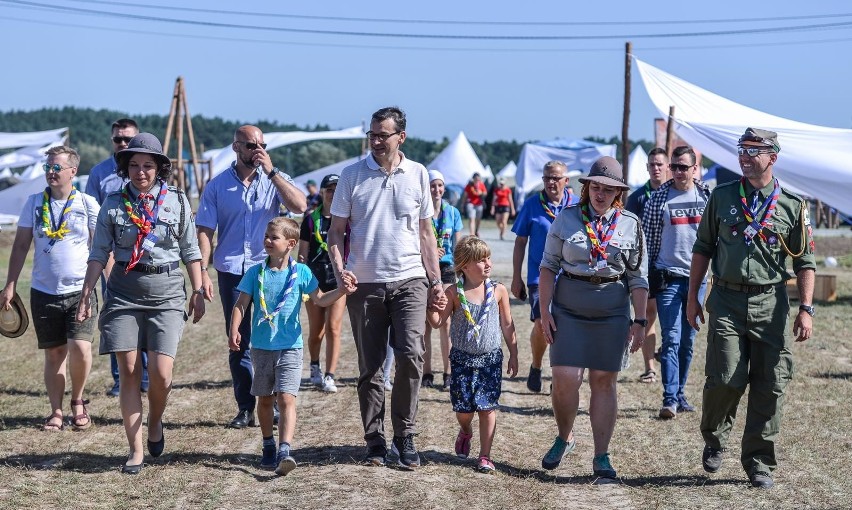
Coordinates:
<point>62,269</point>
<point>384,214</point>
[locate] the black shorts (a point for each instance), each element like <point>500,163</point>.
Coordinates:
<point>448,272</point>
<point>500,209</point>
<point>55,318</point>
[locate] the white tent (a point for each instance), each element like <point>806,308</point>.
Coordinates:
<point>458,162</point>
<point>12,199</point>
<point>15,140</point>
<point>317,175</point>
<point>637,165</point>
<point>222,157</point>
<point>508,171</point>
<point>813,159</point>
<point>534,156</point>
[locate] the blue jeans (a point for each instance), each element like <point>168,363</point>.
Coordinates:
<point>240,362</point>
<point>678,338</point>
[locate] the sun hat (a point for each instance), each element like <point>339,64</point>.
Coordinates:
<point>145,143</point>
<point>606,171</point>
<point>328,180</point>
<point>436,175</point>
<point>14,322</point>
<point>762,136</point>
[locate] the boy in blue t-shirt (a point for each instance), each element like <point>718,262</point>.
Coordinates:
<point>275,288</point>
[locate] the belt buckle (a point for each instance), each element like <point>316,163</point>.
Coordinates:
<point>151,269</point>
<point>595,279</point>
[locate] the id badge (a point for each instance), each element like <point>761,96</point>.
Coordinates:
<point>750,231</point>
<point>600,265</point>
<point>149,242</point>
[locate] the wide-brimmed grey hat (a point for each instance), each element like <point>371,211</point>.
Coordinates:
<point>607,171</point>
<point>145,143</point>
<point>15,321</point>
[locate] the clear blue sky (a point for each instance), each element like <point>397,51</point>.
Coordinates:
<point>490,88</point>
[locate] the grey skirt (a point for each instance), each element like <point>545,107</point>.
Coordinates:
<point>143,311</point>
<point>592,323</point>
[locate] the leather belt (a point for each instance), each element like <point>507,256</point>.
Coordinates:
<point>145,268</point>
<point>748,289</point>
<point>597,280</point>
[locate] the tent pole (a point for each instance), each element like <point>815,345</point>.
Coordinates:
<point>625,123</point>
<point>670,132</point>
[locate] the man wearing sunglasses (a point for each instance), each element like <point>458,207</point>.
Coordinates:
<point>658,173</point>
<point>750,230</point>
<point>531,227</point>
<point>670,221</point>
<point>102,181</point>
<point>239,202</point>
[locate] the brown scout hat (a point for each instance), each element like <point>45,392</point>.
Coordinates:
<point>607,171</point>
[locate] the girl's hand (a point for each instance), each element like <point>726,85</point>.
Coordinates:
<point>548,326</point>
<point>512,368</point>
<point>636,336</point>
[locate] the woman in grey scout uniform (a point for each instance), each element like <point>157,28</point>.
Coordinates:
<point>596,250</point>
<point>148,227</point>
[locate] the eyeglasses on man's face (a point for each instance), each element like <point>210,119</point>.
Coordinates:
<point>552,178</point>
<point>676,167</point>
<point>753,152</point>
<point>55,168</point>
<point>382,137</point>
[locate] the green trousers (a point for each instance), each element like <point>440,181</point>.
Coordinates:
<point>747,347</point>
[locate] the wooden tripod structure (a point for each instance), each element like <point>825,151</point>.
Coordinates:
<point>178,116</point>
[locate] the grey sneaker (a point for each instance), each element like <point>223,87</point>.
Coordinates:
<point>668,412</point>
<point>286,463</point>
<point>316,375</point>
<point>560,448</point>
<point>711,459</point>
<point>328,385</point>
<point>601,466</point>
<point>268,461</point>
<point>406,453</point>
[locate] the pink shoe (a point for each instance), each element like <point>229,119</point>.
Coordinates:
<point>463,444</point>
<point>485,465</point>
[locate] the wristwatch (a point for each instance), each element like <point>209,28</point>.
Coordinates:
<point>275,171</point>
<point>808,308</point>
<point>641,322</point>
<point>436,281</point>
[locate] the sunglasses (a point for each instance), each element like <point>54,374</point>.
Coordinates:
<point>753,151</point>
<point>55,168</point>
<point>121,139</point>
<point>252,146</point>
<point>548,178</point>
<point>676,167</point>
<point>382,137</point>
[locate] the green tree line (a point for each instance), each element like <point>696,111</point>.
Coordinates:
<point>90,133</point>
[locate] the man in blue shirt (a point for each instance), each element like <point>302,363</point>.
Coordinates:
<point>103,181</point>
<point>239,202</point>
<point>531,226</point>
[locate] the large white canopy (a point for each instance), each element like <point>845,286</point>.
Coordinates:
<point>222,157</point>
<point>458,162</point>
<point>534,156</point>
<point>508,171</point>
<point>317,175</point>
<point>637,164</point>
<point>814,159</point>
<point>15,140</point>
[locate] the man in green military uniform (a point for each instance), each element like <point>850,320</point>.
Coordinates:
<point>750,229</point>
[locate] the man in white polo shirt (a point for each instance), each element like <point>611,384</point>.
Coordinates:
<point>386,200</point>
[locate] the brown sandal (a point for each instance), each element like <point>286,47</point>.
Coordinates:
<point>52,427</point>
<point>75,421</point>
<point>650,376</point>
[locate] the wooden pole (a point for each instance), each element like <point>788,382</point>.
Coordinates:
<point>181,177</point>
<point>625,123</point>
<point>196,171</point>
<point>171,120</point>
<point>670,133</point>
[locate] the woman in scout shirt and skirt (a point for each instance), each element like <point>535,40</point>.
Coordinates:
<point>596,250</point>
<point>148,227</point>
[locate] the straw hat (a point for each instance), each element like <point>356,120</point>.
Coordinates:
<point>14,322</point>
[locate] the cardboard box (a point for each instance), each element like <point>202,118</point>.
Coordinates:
<point>825,288</point>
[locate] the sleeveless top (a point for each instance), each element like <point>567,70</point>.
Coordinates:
<point>490,335</point>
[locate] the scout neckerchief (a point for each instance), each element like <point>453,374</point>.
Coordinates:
<point>145,237</point>
<point>751,213</point>
<point>599,239</point>
<point>483,313</point>
<point>53,228</point>
<point>315,216</point>
<point>265,314</point>
<point>442,233</point>
<point>551,213</point>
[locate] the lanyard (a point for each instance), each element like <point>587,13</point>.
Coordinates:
<point>551,213</point>
<point>145,238</point>
<point>315,215</point>
<point>599,238</point>
<point>54,228</point>
<point>443,232</point>
<point>483,313</point>
<point>755,227</point>
<point>292,275</point>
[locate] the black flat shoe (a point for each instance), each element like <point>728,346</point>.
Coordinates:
<point>242,420</point>
<point>155,448</point>
<point>131,469</point>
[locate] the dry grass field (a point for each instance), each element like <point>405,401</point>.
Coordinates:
<point>208,466</point>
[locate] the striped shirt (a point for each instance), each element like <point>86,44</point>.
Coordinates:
<point>384,212</point>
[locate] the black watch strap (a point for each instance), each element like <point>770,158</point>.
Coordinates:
<point>808,308</point>
<point>641,322</point>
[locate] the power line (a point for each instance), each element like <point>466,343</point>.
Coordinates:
<point>471,22</point>
<point>751,31</point>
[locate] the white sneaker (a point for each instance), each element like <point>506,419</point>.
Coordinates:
<point>388,385</point>
<point>328,385</point>
<point>316,375</point>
